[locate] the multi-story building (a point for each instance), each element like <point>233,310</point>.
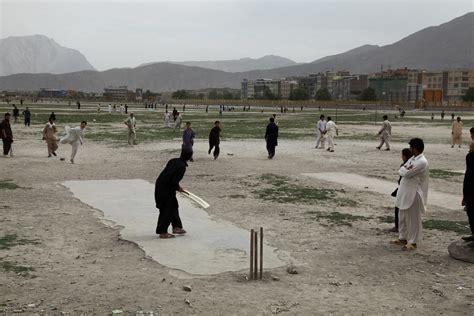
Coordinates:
<point>286,87</point>
<point>390,85</point>
<point>456,83</point>
<point>415,86</point>
<point>52,93</point>
<point>348,87</point>
<point>116,93</point>
<point>309,84</point>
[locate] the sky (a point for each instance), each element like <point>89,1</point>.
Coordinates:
<point>128,33</point>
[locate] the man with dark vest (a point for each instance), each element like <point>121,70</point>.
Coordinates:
<point>468,188</point>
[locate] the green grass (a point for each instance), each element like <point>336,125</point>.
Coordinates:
<point>279,189</point>
<point>445,225</point>
<point>387,219</point>
<point>237,196</point>
<point>337,218</point>
<point>8,185</point>
<point>8,266</point>
<point>444,174</point>
<point>8,241</point>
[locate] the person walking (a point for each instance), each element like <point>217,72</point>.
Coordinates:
<point>74,136</point>
<point>49,135</point>
<point>214,140</point>
<point>131,123</point>
<point>456,132</point>
<point>331,132</point>
<point>188,140</point>
<point>385,133</point>
<point>27,117</point>
<point>468,188</point>
<point>166,186</point>
<point>412,196</point>
<point>320,131</point>
<point>7,135</point>
<point>271,137</point>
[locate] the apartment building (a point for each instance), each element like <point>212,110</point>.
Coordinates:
<point>116,93</point>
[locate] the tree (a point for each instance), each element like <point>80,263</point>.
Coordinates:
<point>226,95</point>
<point>213,95</point>
<point>323,94</point>
<point>368,95</point>
<point>180,94</point>
<point>469,95</point>
<point>299,94</point>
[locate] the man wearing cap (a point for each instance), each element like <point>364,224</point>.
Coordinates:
<point>131,124</point>
<point>468,188</point>
<point>412,196</point>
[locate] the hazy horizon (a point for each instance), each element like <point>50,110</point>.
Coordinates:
<point>116,34</point>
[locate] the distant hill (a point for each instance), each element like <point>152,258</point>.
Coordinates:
<point>239,65</point>
<point>38,54</point>
<point>447,46</point>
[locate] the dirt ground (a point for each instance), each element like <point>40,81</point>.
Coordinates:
<point>83,266</point>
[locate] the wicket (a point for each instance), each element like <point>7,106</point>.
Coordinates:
<point>254,254</point>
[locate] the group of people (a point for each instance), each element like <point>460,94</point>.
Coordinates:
<point>412,194</point>
<point>326,130</point>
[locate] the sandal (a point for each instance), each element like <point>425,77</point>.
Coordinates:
<point>166,235</point>
<point>409,247</point>
<point>398,242</point>
<point>178,231</point>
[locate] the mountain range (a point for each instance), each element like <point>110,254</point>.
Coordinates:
<point>38,54</point>
<point>238,65</point>
<point>447,46</point>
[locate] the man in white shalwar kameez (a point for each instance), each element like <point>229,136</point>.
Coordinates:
<point>74,137</point>
<point>412,196</point>
<point>320,131</point>
<point>331,131</point>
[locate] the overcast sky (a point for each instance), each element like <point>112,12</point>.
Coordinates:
<point>127,33</point>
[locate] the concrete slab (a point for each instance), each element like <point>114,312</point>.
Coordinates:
<point>445,200</point>
<point>210,247</point>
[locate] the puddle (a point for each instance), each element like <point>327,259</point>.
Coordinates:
<point>210,247</point>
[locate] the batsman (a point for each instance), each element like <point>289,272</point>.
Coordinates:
<point>165,195</point>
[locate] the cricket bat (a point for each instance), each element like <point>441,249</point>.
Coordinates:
<point>196,199</point>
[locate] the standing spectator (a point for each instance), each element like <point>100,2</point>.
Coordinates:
<point>188,140</point>
<point>131,123</point>
<point>16,113</point>
<point>27,116</point>
<point>468,188</point>
<point>385,133</point>
<point>214,139</point>
<point>406,154</point>
<point>7,135</point>
<point>166,119</point>
<point>320,131</point>
<point>412,196</point>
<point>456,132</point>
<point>178,121</point>
<point>331,131</point>
<point>52,116</point>
<point>271,137</point>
